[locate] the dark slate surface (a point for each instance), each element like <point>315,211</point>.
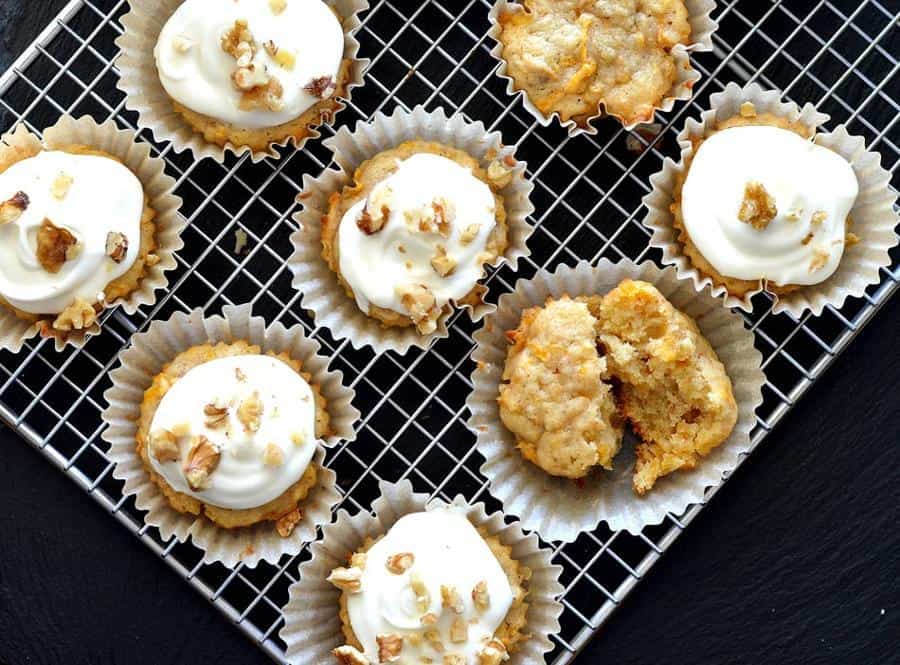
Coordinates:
<point>796,561</point>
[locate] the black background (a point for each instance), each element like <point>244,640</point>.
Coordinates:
<point>796,560</point>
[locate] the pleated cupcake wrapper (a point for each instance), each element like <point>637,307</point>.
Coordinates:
<point>312,625</point>
<point>558,508</point>
<point>702,29</point>
<point>322,292</point>
<point>158,188</point>
<point>873,216</point>
<point>144,92</point>
<point>145,358</point>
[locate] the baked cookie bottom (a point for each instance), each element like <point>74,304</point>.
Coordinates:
<point>120,287</point>
<point>370,173</point>
<point>512,632</point>
<point>736,287</point>
<point>222,133</point>
<point>672,387</point>
<point>279,508</point>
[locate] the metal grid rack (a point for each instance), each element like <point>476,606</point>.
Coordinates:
<point>839,54</point>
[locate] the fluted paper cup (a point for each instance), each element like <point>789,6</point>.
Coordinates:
<point>145,357</point>
<point>873,216</point>
<point>702,29</point>
<point>312,625</point>
<point>558,508</point>
<point>158,188</point>
<point>145,95</point>
<point>321,291</point>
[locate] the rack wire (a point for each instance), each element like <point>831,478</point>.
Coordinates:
<point>839,54</point>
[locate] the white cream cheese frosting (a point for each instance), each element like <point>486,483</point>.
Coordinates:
<point>298,42</point>
<point>813,190</point>
<point>438,211</point>
<point>447,551</point>
<point>250,472</point>
<point>88,196</point>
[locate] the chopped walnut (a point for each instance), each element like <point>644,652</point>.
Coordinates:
<point>429,619</point>
<point>182,44</point>
<point>202,459</point>
<point>444,214</point>
<point>851,239</point>
<point>400,563</point>
<point>12,208</point>
<point>346,579</point>
<point>321,87</point>
<point>347,655</point>
<point>423,597</point>
<point>807,238</point>
<point>758,207</point>
<point>272,455</point>
<point>298,439</point>
<point>285,59</point>
<point>748,110</point>
<point>239,375</point>
<point>53,246</point>
<point>277,6</point>
<point>286,523</point>
<point>451,599</point>
<point>819,259</point>
<point>116,246</point>
<point>419,301</point>
<point>443,264</point>
<point>499,173</point>
<point>216,415</point>
<point>433,637</point>
<point>459,631</point>
<point>818,217</point>
<point>793,214</point>
<point>80,315</point>
<point>164,446</point>
<point>469,234</point>
<point>371,225</point>
<point>494,653</point>
<point>480,596</point>
<point>250,411</point>
<point>389,647</point>
<point>267,96</point>
<point>454,659</point>
<point>259,88</point>
<point>61,186</point>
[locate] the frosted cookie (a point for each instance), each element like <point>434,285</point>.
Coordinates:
<point>672,387</point>
<point>553,397</point>
<point>76,233</point>
<point>412,233</point>
<point>253,72</point>
<point>229,433</point>
<point>432,589</point>
<point>575,57</point>
<point>760,205</point>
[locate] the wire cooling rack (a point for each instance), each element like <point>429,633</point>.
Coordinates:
<point>839,54</point>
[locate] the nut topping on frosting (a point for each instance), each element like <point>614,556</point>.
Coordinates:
<point>480,596</point>
<point>370,225</point>
<point>61,186</point>
<point>420,304</point>
<point>758,207</point>
<point>12,209</point>
<point>469,234</point>
<point>216,415</point>
<point>819,259</point>
<point>400,563</point>
<point>443,265</point>
<point>80,315</point>
<point>347,655</point>
<point>202,460</point>
<point>493,653</point>
<point>164,446</point>
<point>454,659</point>
<point>423,596</point>
<point>348,580</point>
<point>249,412</point>
<point>54,245</point>
<point>321,87</point>
<point>251,77</point>
<point>429,619</point>
<point>272,456</point>
<point>277,6</point>
<point>116,246</point>
<point>459,631</point>
<point>389,648</point>
<point>451,600</point>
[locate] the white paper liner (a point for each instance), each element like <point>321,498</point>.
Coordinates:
<point>558,508</point>
<point>702,29</point>
<point>322,293</point>
<point>144,359</point>
<point>312,625</point>
<point>874,219</point>
<point>158,188</point>
<point>144,93</point>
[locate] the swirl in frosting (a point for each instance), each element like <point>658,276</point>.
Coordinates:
<point>447,593</point>
<point>85,198</point>
<point>298,43</point>
<point>424,226</point>
<point>258,416</point>
<point>764,203</point>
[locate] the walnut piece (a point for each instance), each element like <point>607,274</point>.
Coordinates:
<point>499,173</point>
<point>53,246</point>
<point>389,647</point>
<point>433,637</point>
<point>443,264</point>
<point>454,659</point>
<point>400,563</point>
<point>277,6</point>
<point>444,214</point>
<point>851,239</point>
<point>419,301</point>
<point>371,225</point>
<point>61,186</point>
<point>429,619</point>
<point>272,456</point>
<point>807,238</point>
<point>469,233</point>
<point>286,523</point>
<point>459,630</point>
<point>259,88</point>
<point>182,44</point>
<point>249,412</point>
<point>346,579</point>
<point>818,217</point>
<point>423,597</point>
<point>116,246</point>
<point>216,415</point>
<point>758,207</point>
<point>347,655</point>
<point>451,599</point>
<point>481,597</point>
<point>80,315</point>
<point>13,207</point>
<point>321,87</point>
<point>819,259</point>
<point>163,446</point>
<point>202,459</point>
<point>494,653</point>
